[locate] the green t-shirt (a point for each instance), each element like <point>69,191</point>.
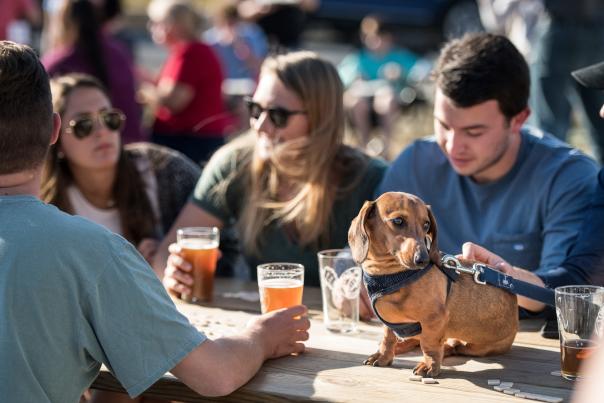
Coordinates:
<point>72,296</point>
<point>275,244</point>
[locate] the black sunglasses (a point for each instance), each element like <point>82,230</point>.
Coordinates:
<point>278,116</point>
<point>83,126</point>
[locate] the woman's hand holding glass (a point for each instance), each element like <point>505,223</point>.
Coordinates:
<point>177,274</point>
<point>178,278</point>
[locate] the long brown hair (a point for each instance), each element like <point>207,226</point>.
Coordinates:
<point>313,167</point>
<point>136,215</point>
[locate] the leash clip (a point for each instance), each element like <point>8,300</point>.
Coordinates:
<point>478,270</point>
<point>453,263</point>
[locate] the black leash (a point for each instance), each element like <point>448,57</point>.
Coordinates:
<point>483,274</point>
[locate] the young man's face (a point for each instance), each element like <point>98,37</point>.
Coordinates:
<point>478,141</point>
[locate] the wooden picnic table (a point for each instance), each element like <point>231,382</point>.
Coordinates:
<point>331,369</point>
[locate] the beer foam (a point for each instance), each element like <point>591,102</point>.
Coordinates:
<point>281,283</point>
<point>198,244</point>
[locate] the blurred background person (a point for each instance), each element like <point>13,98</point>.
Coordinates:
<point>135,191</point>
<point>282,21</point>
<point>290,186</point>
<point>241,47</point>
<point>189,110</point>
<point>516,19</point>
<point>571,36</point>
<point>375,78</point>
<point>115,25</point>
<point>84,48</point>
<point>17,19</point>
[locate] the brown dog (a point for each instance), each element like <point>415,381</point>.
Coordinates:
<point>397,232</point>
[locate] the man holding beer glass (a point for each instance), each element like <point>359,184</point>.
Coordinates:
<point>92,299</point>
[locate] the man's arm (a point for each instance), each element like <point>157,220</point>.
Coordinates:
<point>219,367</point>
<point>568,199</point>
<point>584,264</point>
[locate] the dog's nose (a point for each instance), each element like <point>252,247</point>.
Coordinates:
<point>421,258</point>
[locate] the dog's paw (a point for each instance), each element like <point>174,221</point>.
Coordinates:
<point>379,360</point>
<point>426,370</point>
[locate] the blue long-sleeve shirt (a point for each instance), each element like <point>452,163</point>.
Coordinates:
<point>531,216</point>
<point>585,263</point>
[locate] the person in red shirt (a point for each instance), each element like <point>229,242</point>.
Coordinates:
<point>190,114</point>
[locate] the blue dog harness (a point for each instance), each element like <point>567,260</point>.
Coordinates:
<point>378,286</point>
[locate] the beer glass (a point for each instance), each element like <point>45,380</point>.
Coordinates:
<point>280,285</point>
<point>580,320</point>
<point>199,247</point>
<point>341,281</point>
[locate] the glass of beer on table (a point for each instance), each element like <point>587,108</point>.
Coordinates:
<point>199,246</point>
<point>580,313</point>
<point>280,285</point>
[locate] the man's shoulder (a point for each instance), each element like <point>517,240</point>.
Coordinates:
<point>554,166</point>
<point>417,168</point>
<point>548,152</point>
<point>72,231</point>
<point>71,240</point>
<point>422,153</point>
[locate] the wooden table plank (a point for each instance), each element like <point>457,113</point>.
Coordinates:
<point>331,369</point>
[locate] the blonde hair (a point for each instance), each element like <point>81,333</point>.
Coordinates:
<point>180,12</point>
<point>312,166</point>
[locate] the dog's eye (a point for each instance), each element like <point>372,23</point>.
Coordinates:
<point>427,226</point>
<point>398,221</point>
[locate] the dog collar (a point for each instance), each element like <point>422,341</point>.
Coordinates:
<point>385,284</point>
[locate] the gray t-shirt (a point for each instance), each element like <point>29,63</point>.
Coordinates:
<point>530,217</point>
<point>72,296</point>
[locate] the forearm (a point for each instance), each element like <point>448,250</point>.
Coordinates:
<point>174,96</point>
<point>529,277</point>
<point>217,368</point>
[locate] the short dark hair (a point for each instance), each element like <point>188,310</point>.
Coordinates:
<point>26,121</point>
<point>479,67</point>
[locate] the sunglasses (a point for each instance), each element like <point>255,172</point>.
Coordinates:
<point>277,115</point>
<point>84,126</point>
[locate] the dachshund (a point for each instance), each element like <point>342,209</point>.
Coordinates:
<point>395,236</point>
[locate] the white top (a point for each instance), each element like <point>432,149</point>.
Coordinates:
<point>109,218</point>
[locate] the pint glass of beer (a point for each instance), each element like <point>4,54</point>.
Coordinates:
<point>580,312</point>
<point>199,247</point>
<point>280,285</point>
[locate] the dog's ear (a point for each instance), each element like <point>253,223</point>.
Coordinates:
<point>358,239</point>
<point>434,252</point>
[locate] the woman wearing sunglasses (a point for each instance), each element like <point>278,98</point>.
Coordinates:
<point>136,191</point>
<point>290,186</point>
